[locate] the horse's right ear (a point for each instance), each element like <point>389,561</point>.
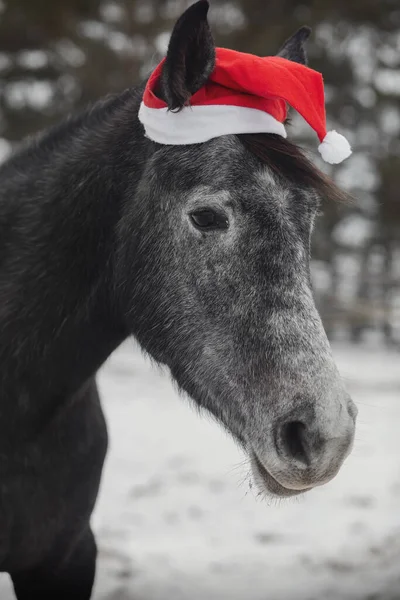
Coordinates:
<point>190,57</point>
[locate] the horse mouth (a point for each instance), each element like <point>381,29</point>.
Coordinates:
<point>267,482</point>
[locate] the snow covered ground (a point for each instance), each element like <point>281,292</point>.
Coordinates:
<point>176,519</point>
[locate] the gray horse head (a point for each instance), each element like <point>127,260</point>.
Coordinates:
<point>219,282</point>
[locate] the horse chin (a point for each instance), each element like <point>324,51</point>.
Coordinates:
<point>267,484</point>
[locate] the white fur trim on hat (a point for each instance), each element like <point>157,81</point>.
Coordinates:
<point>199,123</point>
<point>334,148</point>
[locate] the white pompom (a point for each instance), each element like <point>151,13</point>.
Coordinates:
<point>334,148</point>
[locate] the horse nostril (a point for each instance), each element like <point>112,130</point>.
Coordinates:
<point>294,441</point>
<point>308,449</point>
<point>352,410</point>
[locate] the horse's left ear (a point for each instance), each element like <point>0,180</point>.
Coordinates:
<point>294,48</point>
<point>190,58</point>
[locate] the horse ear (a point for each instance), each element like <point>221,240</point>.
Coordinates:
<point>294,49</point>
<point>190,58</point>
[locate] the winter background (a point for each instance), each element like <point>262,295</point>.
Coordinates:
<point>177,518</point>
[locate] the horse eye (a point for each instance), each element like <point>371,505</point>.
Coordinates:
<point>206,219</point>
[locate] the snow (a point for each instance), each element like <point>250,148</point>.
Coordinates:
<point>32,59</point>
<point>176,519</point>
<point>29,93</point>
<point>5,149</point>
<point>354,231</point>
<point>70,53</point>
<point>112,12</point>
<point>387,81</point>
<point>360,173</point>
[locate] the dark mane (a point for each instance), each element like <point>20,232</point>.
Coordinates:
<point>289,161</point>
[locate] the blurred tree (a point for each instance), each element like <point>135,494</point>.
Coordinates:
<point>57,56</point>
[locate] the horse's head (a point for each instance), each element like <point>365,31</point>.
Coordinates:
<point>220,290</point>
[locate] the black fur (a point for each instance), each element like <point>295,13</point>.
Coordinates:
<point>61,201</point>
<point>294,47</point>
<point>190,58</point>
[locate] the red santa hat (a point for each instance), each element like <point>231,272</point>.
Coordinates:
<point>244,94</point>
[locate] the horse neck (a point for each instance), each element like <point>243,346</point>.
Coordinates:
<point>61,201</point>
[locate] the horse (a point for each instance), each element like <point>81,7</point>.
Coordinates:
<point>201,253</point>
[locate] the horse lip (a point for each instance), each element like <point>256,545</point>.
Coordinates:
<point>270,483</point>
